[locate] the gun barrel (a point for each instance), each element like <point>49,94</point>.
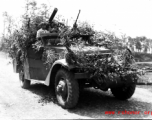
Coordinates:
<point>53,14</point>
<point>77,16</point>
<point>75,23</point>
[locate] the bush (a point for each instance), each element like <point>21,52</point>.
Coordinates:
<point>143,57</point>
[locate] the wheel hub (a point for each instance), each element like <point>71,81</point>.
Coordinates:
<point>61,88</point>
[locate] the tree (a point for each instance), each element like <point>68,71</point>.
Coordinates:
<point>9,23</point>
<point>131,42</point>
<point>146,45</point>
<point>138,46</point>
<point>44,11</point>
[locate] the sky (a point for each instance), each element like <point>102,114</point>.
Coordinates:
<point>130,17</point>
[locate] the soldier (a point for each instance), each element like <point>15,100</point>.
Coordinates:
<point>42,31</point>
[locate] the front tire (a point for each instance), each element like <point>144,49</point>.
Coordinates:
<point>124,93</point>
<point>66,89</point>
<point>23,82</point>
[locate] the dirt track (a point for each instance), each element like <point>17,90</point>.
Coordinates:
<point>17,103</point>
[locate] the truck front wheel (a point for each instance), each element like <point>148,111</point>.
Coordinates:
<point>23,82</point>
<point>124,92</point>
<point>66,89</point>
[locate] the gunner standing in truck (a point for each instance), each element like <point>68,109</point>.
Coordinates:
<point>42,31</point>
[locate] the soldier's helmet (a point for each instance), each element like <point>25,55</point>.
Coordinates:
<point>42,24</point>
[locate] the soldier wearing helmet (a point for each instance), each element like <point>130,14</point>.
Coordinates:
<point>42,31</point>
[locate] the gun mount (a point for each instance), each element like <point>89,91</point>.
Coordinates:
<point>76,32</point>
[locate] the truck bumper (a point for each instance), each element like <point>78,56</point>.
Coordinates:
<point>120,82</point>
<point>116,82</point>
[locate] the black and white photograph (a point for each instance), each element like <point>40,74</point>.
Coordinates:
<point>75,59</point>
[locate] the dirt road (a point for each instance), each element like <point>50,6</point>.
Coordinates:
<point>39,103</point>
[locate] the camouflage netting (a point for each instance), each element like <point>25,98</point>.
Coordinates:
<point>98,65</point>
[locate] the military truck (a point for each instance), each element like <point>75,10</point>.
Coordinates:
<point>65,78</point>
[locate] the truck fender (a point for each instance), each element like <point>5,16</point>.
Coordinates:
<point>55,67</point>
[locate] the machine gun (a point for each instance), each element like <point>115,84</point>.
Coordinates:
<point>76,33</point>
<point>75,23</point>
<point>50,21</point>
<point>53,35</point>
<point>54,24</point>
<point>53,15</point>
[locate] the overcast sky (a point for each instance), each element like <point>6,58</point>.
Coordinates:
<point>130,17</point>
